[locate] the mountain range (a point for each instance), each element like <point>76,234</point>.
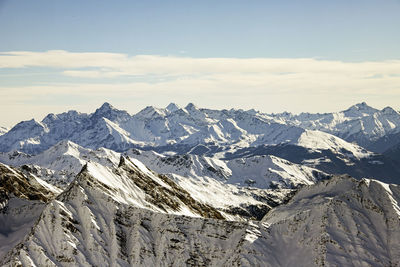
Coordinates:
<point>188,186</point>
<point>112,128</point>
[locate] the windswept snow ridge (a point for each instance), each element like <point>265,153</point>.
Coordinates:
<point>336,222</point>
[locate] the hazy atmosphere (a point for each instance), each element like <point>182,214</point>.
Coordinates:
<point>272,56</point>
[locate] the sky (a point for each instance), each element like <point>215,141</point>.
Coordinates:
<point>273,56</point>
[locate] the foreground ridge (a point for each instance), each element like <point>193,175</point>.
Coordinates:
<point>338,221</point>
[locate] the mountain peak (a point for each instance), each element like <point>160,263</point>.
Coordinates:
<point>172,107</point>
<point>108,111</point>
<point>362,107</point>
<point>389,110</point>
<point>106,107</point>
<point>190,106</point>
<point>150,111</point>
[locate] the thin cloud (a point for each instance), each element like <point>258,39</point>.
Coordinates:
<point>267,84</point>
<point>113,64</point>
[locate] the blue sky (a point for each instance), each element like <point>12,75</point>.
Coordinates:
<point>341,38</point>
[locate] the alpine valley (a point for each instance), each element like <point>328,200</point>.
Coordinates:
<point>188,186</point>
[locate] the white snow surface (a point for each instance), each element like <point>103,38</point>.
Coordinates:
<point>358,123</point>
<point>219,183</point>
<point>338,222</point>
<point>115,129</point>
<point>59,164</point>
<point>257,171</point>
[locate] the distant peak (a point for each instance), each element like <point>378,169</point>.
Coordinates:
<point>106,106</point>
<point>388,110</point>
<point>108,111</point>
<point>172,107</point>
<point>104,109</point>
<point>252,111</point>
<point>190,106</point>
<point>50,117</point>
<point>150,111</point>
<point>362,107</point>
<point>29,123</point>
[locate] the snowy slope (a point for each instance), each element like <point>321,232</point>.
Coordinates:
<point>172,126</point>
<point>222,134</point>
<point>258,171</point>
<point>360,123</point>
<point>59,164</point>
<point>129,216</point>
<point>339,222</point>
<point>336,222</point>
<point>22,199</point>
<point>343,161</point>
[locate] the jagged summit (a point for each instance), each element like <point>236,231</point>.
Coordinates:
<point>172,107</point>
<point>132,183</point>
<point>362,107</point>
<point>150,112</point>
<point>29,123</point>
<point>389,110</point>
<point>191,106</point>
<point>106,107</point>
<point>191,126</point>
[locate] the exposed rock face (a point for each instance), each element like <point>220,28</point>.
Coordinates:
<point>22,199</point>
<point>15,184</point>
<point>340,221</point>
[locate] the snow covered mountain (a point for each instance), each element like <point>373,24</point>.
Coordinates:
<point>223,186</point>
<point>360,123</point>
<point>113,219</point>
<point>221,134</point>
<point>338,222</point>
<point>201,187</point>
<point>378,166</point>
<point>259,171</point>
<point>60,163</point>
<point>189,126</point>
